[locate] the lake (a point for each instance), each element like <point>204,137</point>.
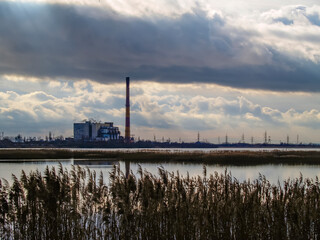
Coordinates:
<point>273,173</point>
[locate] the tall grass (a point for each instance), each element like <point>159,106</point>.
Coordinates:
<point>77,204</point>
<point>211,157</point>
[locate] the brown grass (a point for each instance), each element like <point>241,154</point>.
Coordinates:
<point>213,157</point>
<point>78,205</point>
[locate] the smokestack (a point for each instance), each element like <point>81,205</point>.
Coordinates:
<point>127,130</point>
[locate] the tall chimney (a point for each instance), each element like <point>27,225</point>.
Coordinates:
<point>127,130</point>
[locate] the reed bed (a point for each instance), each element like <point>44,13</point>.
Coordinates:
<point>77,204</point>
<point>153,156</point>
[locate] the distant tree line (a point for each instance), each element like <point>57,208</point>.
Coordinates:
<point>60,142</point>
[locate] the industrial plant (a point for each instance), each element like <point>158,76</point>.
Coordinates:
<point>127,130</point>
<point>92,133</point>
<point>95,131</point>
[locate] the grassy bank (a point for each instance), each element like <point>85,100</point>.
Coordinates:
<point>213,157</point>
<point>76,205</point>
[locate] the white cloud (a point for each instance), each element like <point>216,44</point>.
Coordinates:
<point>290,30</point>
<point>161,109</point>
<point>169,38</point>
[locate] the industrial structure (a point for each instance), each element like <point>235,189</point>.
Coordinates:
<point>95,131</point>
<point>127,130</point>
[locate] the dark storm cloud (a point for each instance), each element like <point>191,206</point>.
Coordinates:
<point>302,78</point>
<point>61,41</point>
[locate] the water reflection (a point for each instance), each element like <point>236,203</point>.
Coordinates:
<point>99,163</point>
<point>273,173</point>
<point>127,171</point>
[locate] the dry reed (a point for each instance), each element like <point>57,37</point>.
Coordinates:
<point>76,204</point>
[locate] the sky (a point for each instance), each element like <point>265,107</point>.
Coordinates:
<point>219,68</point>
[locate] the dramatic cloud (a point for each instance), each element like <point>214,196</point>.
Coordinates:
<point>157,109</point>
<point>216,67</point>
<point>276,50</point>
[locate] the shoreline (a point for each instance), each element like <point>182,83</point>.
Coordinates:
<point>225,157</point>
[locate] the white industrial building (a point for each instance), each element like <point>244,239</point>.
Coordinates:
<point>95,131</point>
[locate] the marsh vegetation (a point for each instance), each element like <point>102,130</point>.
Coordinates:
<point>77,204</point>
<point>225,157</point>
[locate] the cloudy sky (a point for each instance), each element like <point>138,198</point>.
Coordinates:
<point>218,67</point>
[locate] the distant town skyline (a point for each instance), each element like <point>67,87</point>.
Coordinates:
<point>227,68</point>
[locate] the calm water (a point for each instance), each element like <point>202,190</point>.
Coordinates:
<point>274,173</point>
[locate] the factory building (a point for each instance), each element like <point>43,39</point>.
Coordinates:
<point>108,133</point>
<point>82,131</point>
<point>95,131</point>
